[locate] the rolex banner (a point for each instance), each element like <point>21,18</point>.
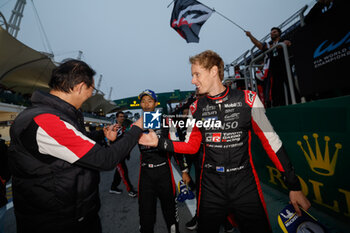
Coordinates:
<point>319,149</point>
<point>322,51</point>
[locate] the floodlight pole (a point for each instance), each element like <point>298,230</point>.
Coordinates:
<point>16,17</point>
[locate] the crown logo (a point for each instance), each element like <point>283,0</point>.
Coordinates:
<point>319,164</point>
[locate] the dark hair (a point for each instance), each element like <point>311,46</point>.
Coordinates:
<point>118,113</point>
<point>278,29</point>
<point>70,73</point>
<point>92,128</point>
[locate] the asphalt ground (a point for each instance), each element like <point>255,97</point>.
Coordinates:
<point>119,212</point>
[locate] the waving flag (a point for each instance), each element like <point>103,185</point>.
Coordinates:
<point>187,18</point>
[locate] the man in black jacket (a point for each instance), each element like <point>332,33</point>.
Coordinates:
<point>55,165</point>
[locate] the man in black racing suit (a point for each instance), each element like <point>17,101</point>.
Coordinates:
<point>156,179</point>
<point>228,182</point>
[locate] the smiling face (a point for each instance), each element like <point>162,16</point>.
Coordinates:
<point>148,104</point>
<point>121,118</point>
<point>202,78</point>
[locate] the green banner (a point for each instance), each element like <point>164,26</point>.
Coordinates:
<point>163,99</point>
<point>316,136</point>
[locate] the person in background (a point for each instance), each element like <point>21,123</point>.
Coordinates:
<point>97,135</point>
<point>260,78</point>
<point>323,7</point>
<point>277,79</point>
<point>4,178</point>
<point>240,83</point>
<point>156,178</point>
<point>121,172</point>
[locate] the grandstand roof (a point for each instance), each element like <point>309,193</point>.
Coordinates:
<point>23,69</point>
<point>97,103</point>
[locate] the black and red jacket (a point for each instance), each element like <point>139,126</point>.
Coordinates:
<point>55,165</point>
<point>229,146</point>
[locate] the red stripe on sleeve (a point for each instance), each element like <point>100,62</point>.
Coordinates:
<point>57,129</point>
<point>193,144</point>
<point>267,146</point>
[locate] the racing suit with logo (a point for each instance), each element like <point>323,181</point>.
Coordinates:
<point>228,180</point>
<point>156,181</point>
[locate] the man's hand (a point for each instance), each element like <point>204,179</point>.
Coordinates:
<point>139,123</point>
<point>254,40</point>
<point>149,139</point>
<point>287,42</point>
<point>110,132</point>
<point>297,198</point>
<point>186,177</point>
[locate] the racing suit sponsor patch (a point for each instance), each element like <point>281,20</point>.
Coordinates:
<point>249,97</point>
<point>233,105</point>
<point>193,107</point>
<point>209,108</point>
<point>229,110</point>
<point>223,126</point>
<point>209,113</point>
<point>231,117</point>
<point>232,136</point>
<point>213,137</point>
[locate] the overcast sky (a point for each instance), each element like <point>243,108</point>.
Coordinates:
<point>131,43</point>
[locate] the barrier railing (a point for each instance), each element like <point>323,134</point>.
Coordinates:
<point>255,56</point>
<point>287,66</point>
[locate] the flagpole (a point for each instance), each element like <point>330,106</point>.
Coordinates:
<point>229,20</point>
<point>223,16</point>
<point>170,4</point>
